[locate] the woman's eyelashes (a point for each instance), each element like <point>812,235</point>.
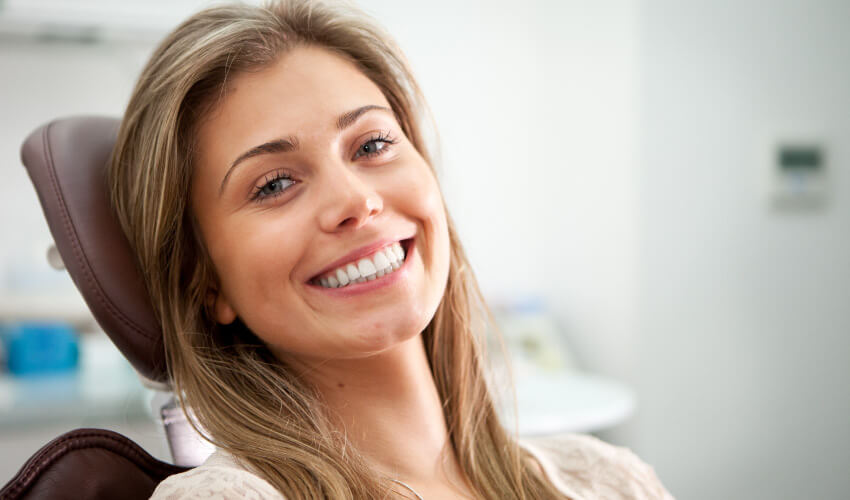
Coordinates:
<point>275,183</point>
<point>376,145</point>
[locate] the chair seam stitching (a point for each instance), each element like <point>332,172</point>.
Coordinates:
<point>77,248</point>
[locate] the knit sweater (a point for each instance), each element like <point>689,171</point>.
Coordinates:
<point>581,466</point>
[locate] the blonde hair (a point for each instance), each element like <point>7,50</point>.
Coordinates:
<point>248,402</point>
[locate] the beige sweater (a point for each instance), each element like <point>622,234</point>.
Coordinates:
<point>580,466</point>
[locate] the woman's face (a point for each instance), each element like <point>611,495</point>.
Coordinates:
<point>303,174</point>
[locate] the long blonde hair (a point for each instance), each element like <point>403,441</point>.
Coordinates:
<point>248,402</point>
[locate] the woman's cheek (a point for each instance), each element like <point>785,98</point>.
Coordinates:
<point>432,200</point>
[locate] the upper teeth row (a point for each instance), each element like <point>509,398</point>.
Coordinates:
<point>384,261</point>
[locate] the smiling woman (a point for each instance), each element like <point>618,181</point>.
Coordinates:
<point>320,318</point>
<point>332,184</point>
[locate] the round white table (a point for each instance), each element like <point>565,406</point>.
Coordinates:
<point>571,402</point>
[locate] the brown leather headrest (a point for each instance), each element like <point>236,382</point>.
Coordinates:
<point>89,464</point>
<point>66,160</point>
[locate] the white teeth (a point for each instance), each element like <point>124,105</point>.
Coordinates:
<point>381,263</point>
<point>366,267</point>
<point>399,252</point>
<point>342,276</point>
<point>352,271</point>
<point>390,253</point>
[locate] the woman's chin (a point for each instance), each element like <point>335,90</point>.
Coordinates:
<point>373,343</point>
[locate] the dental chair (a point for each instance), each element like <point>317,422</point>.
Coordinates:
<point>66,161</point>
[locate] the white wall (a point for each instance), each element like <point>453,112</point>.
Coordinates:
<point>40,82</point>
<point>744,357</point>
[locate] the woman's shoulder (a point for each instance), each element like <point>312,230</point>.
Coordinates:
<point>217,478</point>
<point>587,467</point>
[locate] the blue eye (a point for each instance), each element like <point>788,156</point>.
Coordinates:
<point>272,186</point>
<point>375,146</point>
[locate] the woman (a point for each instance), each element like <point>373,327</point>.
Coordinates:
<point>319,315</point>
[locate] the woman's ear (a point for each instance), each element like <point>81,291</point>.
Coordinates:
<point>220,307</point>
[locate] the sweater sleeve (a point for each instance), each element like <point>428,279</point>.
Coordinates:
<point>589,468</point>
<point>216,483</point>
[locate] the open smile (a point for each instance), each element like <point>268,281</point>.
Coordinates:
<point>382,267</point>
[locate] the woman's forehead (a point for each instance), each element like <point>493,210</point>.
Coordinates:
<point>306,86</point>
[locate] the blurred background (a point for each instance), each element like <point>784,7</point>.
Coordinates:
<point>656,190</point>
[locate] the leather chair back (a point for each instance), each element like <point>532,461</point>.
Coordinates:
<point>66,160</point>
<point>89,464</point>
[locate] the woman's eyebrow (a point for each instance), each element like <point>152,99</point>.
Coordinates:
<point>275,146</point>
<point>290,144</point>
<point>345,120</point>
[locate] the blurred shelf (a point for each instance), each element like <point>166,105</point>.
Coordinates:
<point>571,402</point>
<point>103,387</point>
<point>93,20</point>
<point>59,398</point>
<point>65,307</point>
<point>53,399</point>
<point>552,404</point>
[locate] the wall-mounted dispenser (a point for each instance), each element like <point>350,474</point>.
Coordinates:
<point>797,174</point>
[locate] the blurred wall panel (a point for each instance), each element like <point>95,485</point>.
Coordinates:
<point>40,81</point>
<point>744,349</point>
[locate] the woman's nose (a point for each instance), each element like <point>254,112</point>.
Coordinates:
<point>349,201</point>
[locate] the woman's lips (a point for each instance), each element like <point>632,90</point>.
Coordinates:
<point>362,252</point>
<point>367,286</point>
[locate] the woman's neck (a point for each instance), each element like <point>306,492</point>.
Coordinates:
<point>390,410</point>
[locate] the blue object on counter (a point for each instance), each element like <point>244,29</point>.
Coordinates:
<point>40,348</point>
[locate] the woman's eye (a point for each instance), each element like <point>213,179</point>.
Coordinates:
<point>272,187</point>
<point>375,146</point>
